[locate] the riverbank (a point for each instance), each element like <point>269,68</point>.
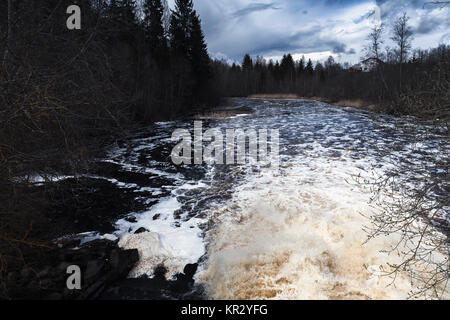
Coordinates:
<point>74,226</point>
<point>351,103</point>
<point>59,192</point>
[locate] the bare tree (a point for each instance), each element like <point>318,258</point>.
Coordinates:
<point>375,41</point>
<point>417,216</point>
<point>402,36</point>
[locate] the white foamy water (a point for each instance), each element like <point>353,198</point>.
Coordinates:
<point>166,243</point>
<point>297,235</point>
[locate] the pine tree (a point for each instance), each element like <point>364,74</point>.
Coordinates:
<point>181,27</point>
<point>277,70</point>
<point>288,67</point>
<point>247,68</point>
<point>270,67</point>
<point>113,11</point>
<point>247,63</point>
<point>154,29</point>
<point>319,70</point>
<point>188,47</point>
<point>309,68</point>
<point>198,52</point>
<point>128,12</point>
<point>123,15</point>
<point>301,65</point>
<point>179,42</point>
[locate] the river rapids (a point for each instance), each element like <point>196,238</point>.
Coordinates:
<point>258,232</point>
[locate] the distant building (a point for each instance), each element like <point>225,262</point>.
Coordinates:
<point>370,64</point>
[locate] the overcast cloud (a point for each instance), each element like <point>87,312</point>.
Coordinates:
<point>314,28</point>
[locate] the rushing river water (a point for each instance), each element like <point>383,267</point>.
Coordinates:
<point>259,232</point>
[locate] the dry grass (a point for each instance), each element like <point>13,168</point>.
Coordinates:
<point>352,103</point>
<point>355,103</point>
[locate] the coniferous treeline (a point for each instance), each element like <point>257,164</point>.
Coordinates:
<point>419,86</point>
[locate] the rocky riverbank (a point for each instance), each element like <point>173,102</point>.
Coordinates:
<point>34,266</point>
<point>101,262</point>
<point>104,275</point>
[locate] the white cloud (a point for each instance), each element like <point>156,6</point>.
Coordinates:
<point>315,28</point>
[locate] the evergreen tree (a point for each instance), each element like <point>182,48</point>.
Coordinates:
<point>181,27</point>
<point>309,68</point>
<point>277,71</point>
<point>123,15</point>
<point>235,68</point>
<point>320,71</point>
<point>270,67</point>
<point>154,29</point>
<point>288,67</point>
<point>128,12</point>
<point>247,63</point>
<point>188,46</point>
<point>198,54</point>
<point>113,11</point>
<point>301,65</point>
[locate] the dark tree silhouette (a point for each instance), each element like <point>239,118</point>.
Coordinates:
<point>301,66</point>
<point>199,57</point>
<point>247,63</point>
<point>287,67</point>
<point>181,27</point>
<point>154,29</point>
<point>191,67</point>
<point>123,15</point>
<point>309,68</point>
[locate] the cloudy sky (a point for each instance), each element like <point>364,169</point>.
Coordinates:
<point>314,28</point>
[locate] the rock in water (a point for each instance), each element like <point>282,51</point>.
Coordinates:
<point>141,230</point>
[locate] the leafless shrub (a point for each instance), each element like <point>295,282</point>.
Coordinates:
<point>412,202</point>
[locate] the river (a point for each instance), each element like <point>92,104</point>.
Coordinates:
<point>259,232</point>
